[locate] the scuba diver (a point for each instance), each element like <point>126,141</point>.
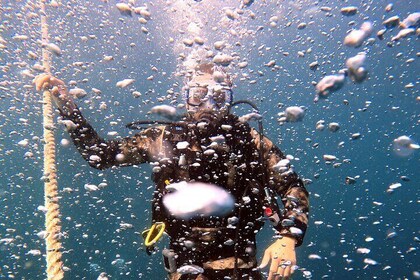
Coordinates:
<point>242,161</point>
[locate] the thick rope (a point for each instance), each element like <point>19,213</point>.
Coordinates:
<point>52,217</point>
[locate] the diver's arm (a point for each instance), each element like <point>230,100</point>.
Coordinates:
<point>287,185</point>
<point>99,153</point>
<point>281,254</point>
<point>290,188</point>
<point>103,154</point>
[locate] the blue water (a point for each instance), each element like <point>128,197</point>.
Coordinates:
<point>343,217</point>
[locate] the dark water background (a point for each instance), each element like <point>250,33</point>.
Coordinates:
<point>349,213</point>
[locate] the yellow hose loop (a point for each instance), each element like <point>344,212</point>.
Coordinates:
<point>154,234</point>
<point>52,217</point>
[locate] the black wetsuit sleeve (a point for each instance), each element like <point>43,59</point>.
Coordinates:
<point>102,154</point>
<point>289,188</point>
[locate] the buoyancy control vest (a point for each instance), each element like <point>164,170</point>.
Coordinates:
<point>234,165</point>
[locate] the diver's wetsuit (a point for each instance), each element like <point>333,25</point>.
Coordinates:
<point>230,160</point>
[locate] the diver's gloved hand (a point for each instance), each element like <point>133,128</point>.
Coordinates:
<point>58,89</point>
<point>282,255</point>
<point>48,82</point>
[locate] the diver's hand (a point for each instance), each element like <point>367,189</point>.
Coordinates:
<point>61,97</point>
<point>48,82</point>
<point>283,258</point>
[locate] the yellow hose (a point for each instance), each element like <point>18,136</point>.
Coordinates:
<point>52,218</point>
<point>152,235</point>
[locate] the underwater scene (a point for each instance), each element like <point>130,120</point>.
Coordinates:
<point>335,85</point>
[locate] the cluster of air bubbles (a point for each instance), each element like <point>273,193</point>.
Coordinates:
<point>404,146</point>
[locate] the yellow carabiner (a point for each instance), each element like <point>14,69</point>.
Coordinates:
<point>152,235</point>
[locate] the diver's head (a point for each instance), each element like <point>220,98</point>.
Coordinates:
<point>208,94</point>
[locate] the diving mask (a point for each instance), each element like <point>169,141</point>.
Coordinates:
<point>220,96</point>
